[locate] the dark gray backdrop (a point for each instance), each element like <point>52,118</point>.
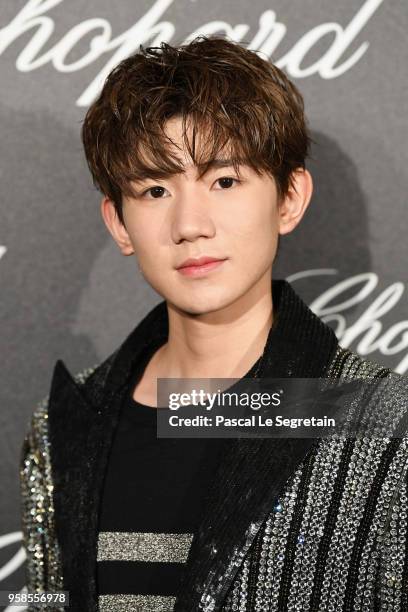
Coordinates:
<point>66,292</point>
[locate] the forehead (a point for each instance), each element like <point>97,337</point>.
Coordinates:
<point>185,139</point>
<point>184,147</point>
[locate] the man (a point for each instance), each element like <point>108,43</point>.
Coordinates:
<point>199,152</point>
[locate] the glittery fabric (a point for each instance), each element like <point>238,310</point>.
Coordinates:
<point>136,603</point>
<point>336,539</point>
<point>149,547</point>
<point>43,563</point>
<point>289,525</point>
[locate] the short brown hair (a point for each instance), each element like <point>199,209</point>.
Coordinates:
<point>223,90</point>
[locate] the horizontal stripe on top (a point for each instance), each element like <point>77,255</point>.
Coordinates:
<point>137,546</point>
<point>136,603</point>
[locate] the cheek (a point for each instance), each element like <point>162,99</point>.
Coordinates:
<point>153,260</point>
<point>254,235</point>
<point>143,238</point>
<point>255,221</point>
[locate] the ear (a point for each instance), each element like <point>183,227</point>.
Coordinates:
<point>115,227</point>
<point>294,204</point>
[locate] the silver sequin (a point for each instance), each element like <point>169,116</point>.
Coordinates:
<point>136,603</point>
<point>151,547</point>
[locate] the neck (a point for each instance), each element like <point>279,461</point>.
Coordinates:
<point>219,344</point>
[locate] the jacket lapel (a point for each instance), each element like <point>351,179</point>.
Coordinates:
<point>252,474</point>
<point>80,438</point>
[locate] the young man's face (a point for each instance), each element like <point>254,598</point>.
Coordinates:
<point>235,219</point>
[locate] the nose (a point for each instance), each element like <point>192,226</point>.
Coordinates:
<point>192,217</point>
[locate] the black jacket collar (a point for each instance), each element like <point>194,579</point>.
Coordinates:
<point>82,421</point>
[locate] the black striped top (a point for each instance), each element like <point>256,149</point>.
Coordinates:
<point>152,501</point>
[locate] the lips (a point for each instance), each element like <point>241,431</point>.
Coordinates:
<point>200,266</point>
<point>199,261</point>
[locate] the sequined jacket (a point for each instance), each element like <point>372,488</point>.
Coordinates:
<point>290,524</point>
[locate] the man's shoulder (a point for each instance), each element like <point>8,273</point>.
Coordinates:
<point>89,377</point>
<point>348,364</point>
<point>380,393</point>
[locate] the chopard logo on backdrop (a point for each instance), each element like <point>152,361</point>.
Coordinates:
<point>152,28</point>
<point>13,564</point>
<point>332,306</point>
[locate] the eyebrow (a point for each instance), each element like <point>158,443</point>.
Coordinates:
<point>203,168</point>
<point>216,163</point>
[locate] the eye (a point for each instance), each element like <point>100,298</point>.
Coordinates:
<point>156,192</point>
<point>226,182</point>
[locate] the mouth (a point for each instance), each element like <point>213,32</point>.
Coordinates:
<point>200,270</point>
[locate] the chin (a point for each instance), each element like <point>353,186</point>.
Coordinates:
<point>203,304</point>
